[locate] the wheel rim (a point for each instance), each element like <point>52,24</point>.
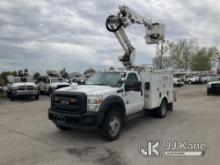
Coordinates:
<point>114,126</point>
<point>163,108</point>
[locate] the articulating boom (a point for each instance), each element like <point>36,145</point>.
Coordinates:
<point>124,18</point>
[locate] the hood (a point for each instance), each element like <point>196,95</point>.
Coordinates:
<point>23,84</point>
<point>59,83</point>
<point>90,89</point>
<point>214,82</point>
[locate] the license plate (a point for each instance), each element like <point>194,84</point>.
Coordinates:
<point>60,119</point>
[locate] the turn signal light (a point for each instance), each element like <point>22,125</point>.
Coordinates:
<point>72,100</point>
<point>99,101</point>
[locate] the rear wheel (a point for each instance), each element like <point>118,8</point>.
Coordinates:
<point>162,110</point>
<point>112,125</point>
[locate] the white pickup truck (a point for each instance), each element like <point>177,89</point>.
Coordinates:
<point>22,86</point>
<point>49,84</point>
<point>177,82</point>
<point>213,87</point>
<point>108,99</point>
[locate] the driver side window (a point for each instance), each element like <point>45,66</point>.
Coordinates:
<point>130,82</point>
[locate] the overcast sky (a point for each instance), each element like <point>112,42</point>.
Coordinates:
<point>52,34</point>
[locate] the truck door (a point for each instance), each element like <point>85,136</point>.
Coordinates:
<point>134,100</point>
<point>41,84</point>
<point>47,84</point>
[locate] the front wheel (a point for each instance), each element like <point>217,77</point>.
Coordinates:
<point>208,92</point>
<point>62,128</point>
<point>37,97</point>
<point>12,98</point>
<point>112,126</point>
<point>8,94</point>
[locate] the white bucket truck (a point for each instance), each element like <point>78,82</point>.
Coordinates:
<point>108,99</point>
<point>22,86</point>
<point>47,84</point>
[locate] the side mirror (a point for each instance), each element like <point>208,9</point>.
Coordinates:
<point>123,79</point>
<point>82,82</point>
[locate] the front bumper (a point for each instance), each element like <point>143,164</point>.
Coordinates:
<point>179,84</point>
<point>25,93</point>
<point>87,120</point>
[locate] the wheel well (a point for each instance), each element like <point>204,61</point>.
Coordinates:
<point>120,108</point>
<point>164,98</point>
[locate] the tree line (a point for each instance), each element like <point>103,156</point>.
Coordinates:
<point>184,54</point>
<point>36,75</point>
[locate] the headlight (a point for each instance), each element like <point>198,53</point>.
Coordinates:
<point>94,102</point>
<point>53,87</point>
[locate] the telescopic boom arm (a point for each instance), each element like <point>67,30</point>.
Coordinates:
<point>124,18</point>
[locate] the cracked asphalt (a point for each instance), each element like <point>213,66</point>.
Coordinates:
<point>27,136</point>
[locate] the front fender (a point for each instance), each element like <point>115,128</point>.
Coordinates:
<point>113,100</point>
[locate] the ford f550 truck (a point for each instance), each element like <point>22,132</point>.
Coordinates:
<point>108,98</point>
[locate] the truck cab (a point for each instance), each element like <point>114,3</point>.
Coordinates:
<point>107,99</point>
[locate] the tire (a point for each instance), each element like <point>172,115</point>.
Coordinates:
<point>112,125</point>
<point>8,94</point>
<point>208,93</point>
<point>36,97</point>
<point>161,112</point>
<point>63,128</point>
<point>12,98</point>
<point>50,92</point>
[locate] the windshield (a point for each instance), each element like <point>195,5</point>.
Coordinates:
<point>54,80</point>
<point>23,79</point>
<point>105,78</point>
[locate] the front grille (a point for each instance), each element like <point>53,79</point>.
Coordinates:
<point>21,88</point>
<point>216,86</point>
<point>69,103</point>
<point>30,87</point>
